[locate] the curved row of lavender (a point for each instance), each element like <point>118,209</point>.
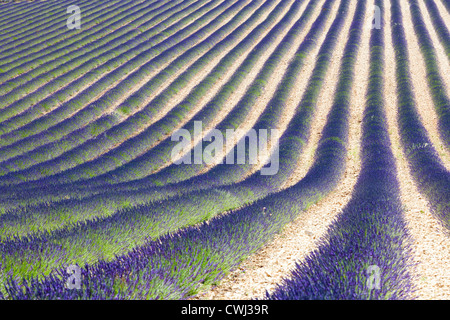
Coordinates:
<point>124,229</point>
<point>177,265</point>
<point>426,167</point>
<point>370,233</point>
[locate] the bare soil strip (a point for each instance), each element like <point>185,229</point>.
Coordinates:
<point>420,83</point>
<point>264,269</point>
<point>431,243</point>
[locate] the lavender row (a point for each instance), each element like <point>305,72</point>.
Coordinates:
<point>370,233</point>
<point>145,63</point>
<point>110,73</point>
<point>425,165</point>
<point>435,81</point>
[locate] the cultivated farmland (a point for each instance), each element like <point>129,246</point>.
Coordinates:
<point>212,149</point>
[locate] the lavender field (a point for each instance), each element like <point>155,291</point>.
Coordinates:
<point>212,149</point>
